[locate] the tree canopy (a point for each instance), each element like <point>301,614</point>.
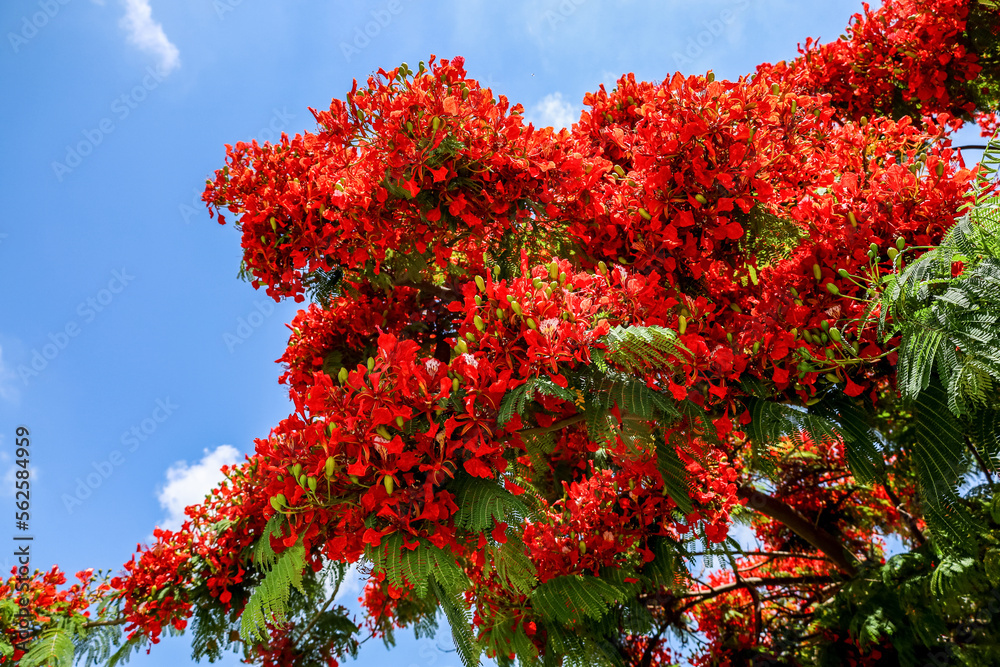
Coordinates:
<point>546,378</point>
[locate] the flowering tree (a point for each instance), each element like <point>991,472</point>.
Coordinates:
<point>545,375</point>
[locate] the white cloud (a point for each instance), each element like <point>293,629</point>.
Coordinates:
<point>148,35</point>
<point>554,111</point>
<point>188,485</point>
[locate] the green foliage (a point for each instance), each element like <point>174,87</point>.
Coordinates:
<point>323,286</point>
<point>922,605</point>
<point>483,502</point>
<point>269,601</point>
<point>516,400</point>
<point>949,354</point>
<point>570,598</point>
<point>674,473</point>
<point>636,349</point>
<point>54,648</point>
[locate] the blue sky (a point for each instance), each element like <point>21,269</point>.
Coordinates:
<point>128,346</point>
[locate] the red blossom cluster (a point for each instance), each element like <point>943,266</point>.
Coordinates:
<point>31,600</point>
<point>901,60</point>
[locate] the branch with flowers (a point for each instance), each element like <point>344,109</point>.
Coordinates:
<point>545,374</point>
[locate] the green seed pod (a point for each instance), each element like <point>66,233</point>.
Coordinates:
<point>835,335</point>
<point>275,504</point>
<point>281,478</point>
<point>435,123</point>
<point>602,268</point>
<point>710,77</point>
<point>856,348</point>
<point>280,499</point>
<point>388,484</point>
<point>516,307</point>
<point>454,384</point>
<point>700,198</point>
<point>499,313</point>
<point>831,378</point>
<point>807,336</point>
<point>583,547</point>
<point>296,470</point>
<point>939,169</point>
<point>479,300</point>
<point>817,272</point>
<point>548,291</point>
<point>829,353</point>
<point>342,375</point>
<point>735,308</point>
<point>833,289</point>
<point>864,121</point>
<point>682,324</point>
<point>756,346</point>
<point>824,325</point>
<point>900,243</point>
<point>461,347</point>
<point>775,89</point>
<point>843,273</point>
<point>478,321</point>
<point>824,339</point>
<point>619,171</point>
<point>469,336</point>
<point>645,214</point>
<point>537,283</point>
<point>531,324</point>
<point>330,467</point>
<point>794,291</point>
<point>853,220</point>
<point>729,337</point>
<point>562,278</point>
<point>795,106</point>
<point>274,225</point>
<point>400,422</point>
<point>871,255</point>
<point>892,254</point>
<point>873,247</point>
<point>371,363</point>
<point>480,283</point>
<point>553,270</point>
<point>354,479</point>
<point>311,481</point>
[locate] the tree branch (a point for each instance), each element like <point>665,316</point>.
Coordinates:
<point>798,524</point>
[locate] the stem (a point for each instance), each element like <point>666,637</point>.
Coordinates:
<point>911,523</point>
<point>97,624</point>
<point>798,524</point>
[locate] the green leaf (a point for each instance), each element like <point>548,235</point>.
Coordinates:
<point>54,648</point>
<point>573,597</point>
<point>269,601</point>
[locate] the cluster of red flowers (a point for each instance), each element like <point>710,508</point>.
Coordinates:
<point>414,174</point>
<point>900,60</point>
<point>30,601</point>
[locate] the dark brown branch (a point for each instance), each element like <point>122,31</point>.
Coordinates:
<point>911,523</point>
<point>798,524</point>
<point>97,624</point>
